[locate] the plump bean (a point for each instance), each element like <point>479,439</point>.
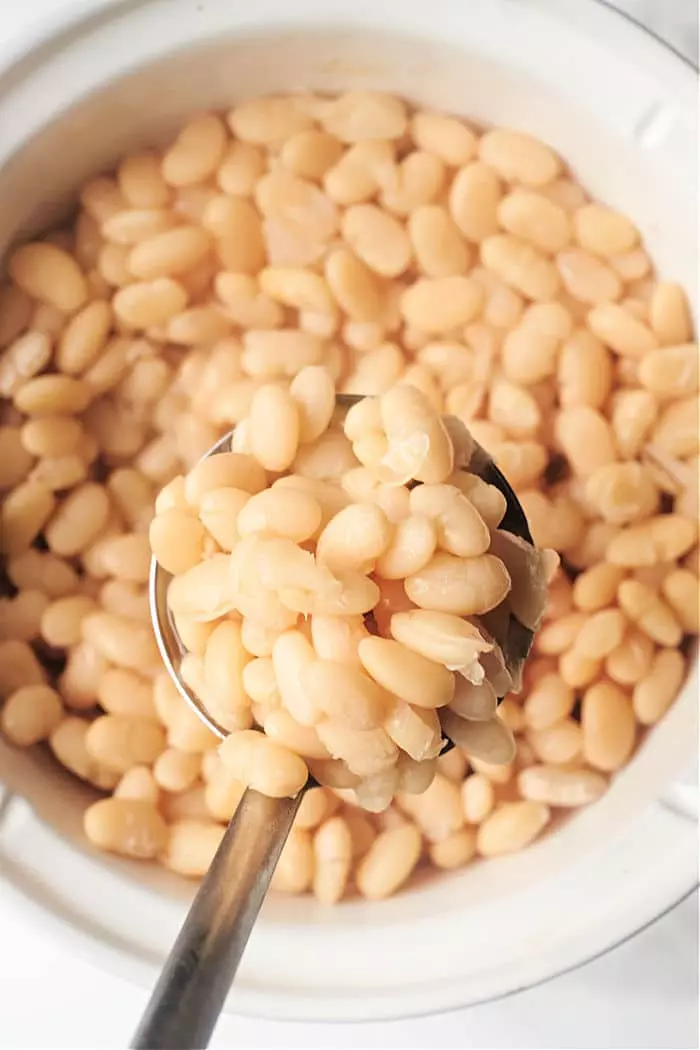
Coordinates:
<point>676,431</point>
<point>124,692</point>
<point>405,673</point>
<point>548,702</point>
<point>50,274</point>
<point>227,469</point>
<point>285,730</point>
<point>455,851</point>
<point>354,539</point>
<point>586,438</point>
<point>607,720</point>
<point>169,254</point>
<point>655,692</point>
<point>127,557</point>
<point>196,152</point>
<point>669,315</point>
<point>410,548</point>
<point>438,243</point>
<point>118,742</point>
<point>466,587</point>
<point>342,692</point>
<point>131,827</point>
<point>313,391</point>
<point>460,528</point>
<point>337,638</point>
<point>280,512</point>
<point>660,539</point>
<point>22,360</point>
<point>680,589</point>
<point>145,304</point>
<point>52,435</point>
<point>48,395</point>
<point>587,278</point>
<point>595,588</point>
<point>511,827</point>
<point>388,863</point>
<point>513,408</point>
<point>175,770</point>
<point>377,238</point>
<point>191,847</point>
<point>670,372</point>
<point>536,219</point>
<point>631,660</point>
<point>488,500</point>
<point>263,765</point>
<point>332,848</point>
<point>416,730</point>
<point>61,621</point>
<point>141,182</point>
<point>437,810</point>
<point>276,448</point>
<point>359,115</point>
<point>601,633</point>
<point>561,788</point>
<point>623,333</point>
<point>224,661</point>
<point>584,373</point>
<point>518,157</point>
<point>131,225</point>
<point>124,642</point>
<point>67,742</point>
<point>84,338</point>
<point>558,744</point>
<point>419,444</point>
<point>79,520</point>
<point>438,636</point>
<point>478,798</point>
<point>294,870</point>
<point>633,414</point>
<point>603,231</point>
<point>25,512</point>
<point>30,714</point>
<point>365,752</point>
<point>474,197</point>
<point>20,617</point>
<point>16,309</point>
<point>138,784</point>
<point>446,136</point>
<point>441,304</point>
<point>521,266</point>
<point>622,492</point>
<point>310,153</point>
<point>177,540</point>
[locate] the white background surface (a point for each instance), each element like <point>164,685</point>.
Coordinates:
<point>644,994</point>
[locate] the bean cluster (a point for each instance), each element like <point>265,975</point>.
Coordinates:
<point>380,244</point>
<point>329,608</point>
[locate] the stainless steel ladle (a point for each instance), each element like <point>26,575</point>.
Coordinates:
<point>189,995</point>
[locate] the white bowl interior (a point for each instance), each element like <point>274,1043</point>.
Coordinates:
<point>623,127</point>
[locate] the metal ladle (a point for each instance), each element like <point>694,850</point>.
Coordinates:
<point>196,978</point>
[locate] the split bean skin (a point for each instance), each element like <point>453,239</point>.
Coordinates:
<point>267,258</point>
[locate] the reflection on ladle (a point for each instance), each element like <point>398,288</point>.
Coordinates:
<point>197,975</point>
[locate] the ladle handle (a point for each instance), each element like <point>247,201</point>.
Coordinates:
<point>187,1000</point>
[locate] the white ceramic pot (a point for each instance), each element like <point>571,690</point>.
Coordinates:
<point>620,107</point>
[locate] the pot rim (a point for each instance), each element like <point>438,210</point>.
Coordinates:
<point>17,62</point>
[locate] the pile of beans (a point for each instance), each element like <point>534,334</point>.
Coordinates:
<point>321,592</point>
<point>380,243</point>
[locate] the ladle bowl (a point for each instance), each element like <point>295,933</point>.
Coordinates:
<point>197,975</point>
